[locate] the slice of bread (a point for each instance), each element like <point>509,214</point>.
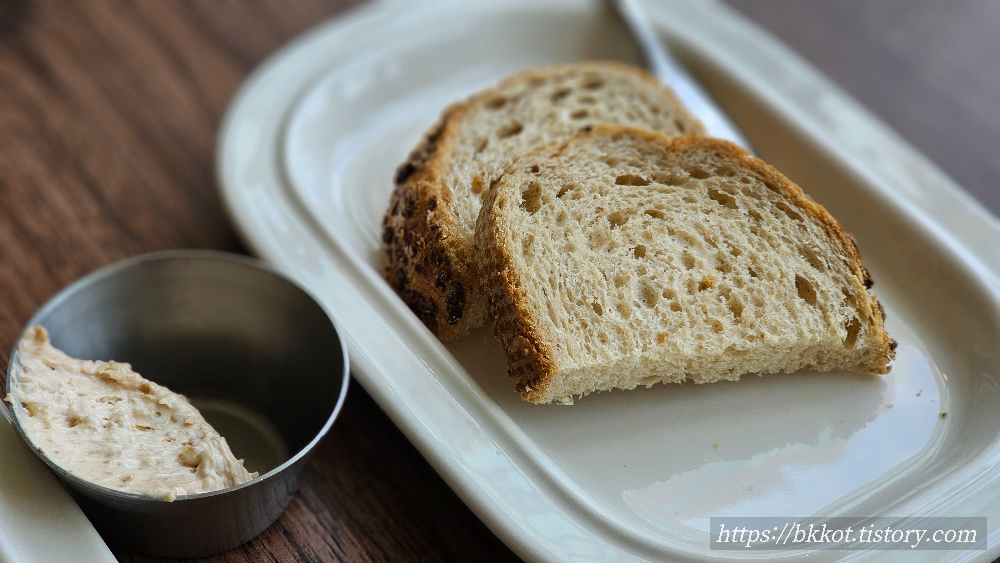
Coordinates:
<point>428,229</point>
<point>622,257</point>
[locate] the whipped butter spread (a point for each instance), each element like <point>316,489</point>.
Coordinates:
<point>107,424</point>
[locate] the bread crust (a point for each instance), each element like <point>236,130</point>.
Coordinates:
<point>522,335</point>
<point>426,264</point>
<point>522,338</point>
<point>429,263</point>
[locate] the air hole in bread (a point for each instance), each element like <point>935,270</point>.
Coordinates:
<point>849,299</point>
<point>564,189</point>
<point>698,173</point>
<point>620,280</point>
<point>735,251</point>
<point>631,180</point>
<point>649,295</point>
<point>587,99</point>
<point>482,145</point>
<point>756,216</point>
<point>716,325</point>
<point>619,218</point>
<point>788,211</point>
<point>497,102</point>
<point>853,329</point>
<point>675,307</point>
<point>722,198</point>
<point>510,130</point>
<point>526,246</point>
<point>655,214</point>
<point>688,260</point>
<point>533,169</point>
<point>640,251</point>
<point>735,307</point>
<point>669,178</point>
<point>531,198</point>
<point>624,310</point>
<point>579,114</point>
<point>692,287</point>
<point>724,267</point>
<point>806,290</point>
<point>560,94</point>
<point>597,308</point>
<point>752,272</point>
<point>708,282</point>
<point>813,259</point>
<point>681,127</point>
<point>593,83</point>
<point>477,185</point>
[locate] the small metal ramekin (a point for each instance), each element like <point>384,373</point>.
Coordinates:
<point>252,350</point>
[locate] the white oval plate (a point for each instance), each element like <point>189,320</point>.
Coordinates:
<point>306,160</point>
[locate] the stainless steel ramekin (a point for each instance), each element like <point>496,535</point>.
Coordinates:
<point>252,350</point>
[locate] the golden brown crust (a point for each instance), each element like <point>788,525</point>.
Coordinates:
<point>522,336</point>
<point>429,264</point>
<point>421,264</point>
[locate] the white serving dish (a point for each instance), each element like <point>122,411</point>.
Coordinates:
<point>306,158</point>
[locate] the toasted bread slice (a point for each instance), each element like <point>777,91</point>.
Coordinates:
<point>622,257</point>
<point>428,229</point>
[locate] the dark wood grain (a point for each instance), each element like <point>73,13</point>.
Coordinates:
<point>108,115</point>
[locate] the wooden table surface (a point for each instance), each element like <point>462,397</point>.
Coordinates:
<point>108,115</point>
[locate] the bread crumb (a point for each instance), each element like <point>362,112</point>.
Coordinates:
<point>888,405</point>
<point>715,445</point>
<point>919,392</point>
<point>944,415</point>
<point>662,337</point>
<point>944,375</point>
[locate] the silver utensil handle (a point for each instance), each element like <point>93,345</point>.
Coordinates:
<point>670,72</point>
